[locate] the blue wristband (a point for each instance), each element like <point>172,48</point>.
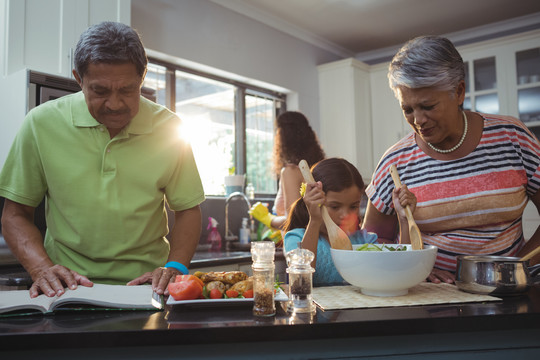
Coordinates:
<point>176,265</point>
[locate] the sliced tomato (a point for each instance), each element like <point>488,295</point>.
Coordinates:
<point>248,293</point>
<point>185,290</point>
<point>215,294</point>
<point>180,278</point>
<point>232,293</point>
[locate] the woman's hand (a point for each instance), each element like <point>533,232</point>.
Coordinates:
<point>160,279</point>
<point>401,198</point>
<point>52,280</point>
<point>437,276</point>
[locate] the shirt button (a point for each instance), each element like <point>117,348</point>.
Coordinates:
<point>108,150</point>
<point>101,129</point>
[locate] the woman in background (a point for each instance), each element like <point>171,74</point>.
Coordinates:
<point>295,140</point>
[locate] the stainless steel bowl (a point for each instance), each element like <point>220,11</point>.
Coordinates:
<point>494,275</point>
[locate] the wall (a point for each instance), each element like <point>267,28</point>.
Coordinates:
<point>209,34</point>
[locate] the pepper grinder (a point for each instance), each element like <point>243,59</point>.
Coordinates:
<point>262,253</point>
<point>300,280</point>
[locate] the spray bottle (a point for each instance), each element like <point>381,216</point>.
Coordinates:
<point>214,239</point>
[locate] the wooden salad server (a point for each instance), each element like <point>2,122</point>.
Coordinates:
<point>414,231</point>
<point>337,237</point>
<point>531,254</point>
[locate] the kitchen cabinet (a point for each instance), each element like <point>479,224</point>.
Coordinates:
<point>360,116</point>
<point>344,90</point>
<point>503,77</point>
<point>42,34</point>
<point>388,125</point>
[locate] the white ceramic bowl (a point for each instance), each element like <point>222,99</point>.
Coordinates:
<point>385,273</point>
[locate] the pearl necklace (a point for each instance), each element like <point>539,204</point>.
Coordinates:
<point>460,140</point>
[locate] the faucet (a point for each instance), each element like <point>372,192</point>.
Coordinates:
<point>228,234</point>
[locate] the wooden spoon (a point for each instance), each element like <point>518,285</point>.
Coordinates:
<point>337,237</point>
<point>531,254</point>
<point>414,231</point>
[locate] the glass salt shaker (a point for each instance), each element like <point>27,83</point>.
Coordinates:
<point>300,280</point>
<point>262,253</point>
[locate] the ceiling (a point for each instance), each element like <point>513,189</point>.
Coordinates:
<point>363,27</point>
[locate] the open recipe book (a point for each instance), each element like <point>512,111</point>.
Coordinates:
<point>97,297</point>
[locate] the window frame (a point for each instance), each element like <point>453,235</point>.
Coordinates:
<point>242,89</point>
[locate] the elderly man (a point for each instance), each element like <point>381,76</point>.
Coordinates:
<point>106,160</point>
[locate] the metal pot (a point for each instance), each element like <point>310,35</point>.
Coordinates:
<point>495,275</point>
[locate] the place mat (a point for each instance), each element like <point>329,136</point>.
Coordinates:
<point>426,293</point>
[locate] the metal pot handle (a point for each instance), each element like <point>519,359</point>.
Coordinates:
<point>534,272</point>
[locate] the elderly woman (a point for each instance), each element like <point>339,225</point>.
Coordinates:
<point>472,173</point>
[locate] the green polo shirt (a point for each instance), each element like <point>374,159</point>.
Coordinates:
<point>105,197</point>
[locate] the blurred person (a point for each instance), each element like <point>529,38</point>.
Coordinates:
<point>295,140</point>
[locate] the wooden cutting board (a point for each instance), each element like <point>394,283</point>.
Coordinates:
<point>426,293</point>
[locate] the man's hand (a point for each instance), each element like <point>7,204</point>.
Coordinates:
<point>51,281</point>
<point>160,278</point>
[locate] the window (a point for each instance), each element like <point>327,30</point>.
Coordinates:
<point>260,119</point>
<point>481,86</point>
<point>229,125</point>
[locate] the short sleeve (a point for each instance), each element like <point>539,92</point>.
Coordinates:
<point>292,239</point>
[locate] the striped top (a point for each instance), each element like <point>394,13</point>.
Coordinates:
<point>472,205</point>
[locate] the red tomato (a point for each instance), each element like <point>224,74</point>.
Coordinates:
<point>232,293</point>
<point>180,278</point>
<point>248,293</point>
<point>215,294</point>
<point>185,290</point>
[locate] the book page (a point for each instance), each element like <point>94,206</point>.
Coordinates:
<point>114,296</point>
<point>20,299</point>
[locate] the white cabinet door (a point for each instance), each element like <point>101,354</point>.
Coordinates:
<point>507,81</point>
<point>388,122</point>
<point>42,34</point>
<point>49,35</point>
<point>345,112</point>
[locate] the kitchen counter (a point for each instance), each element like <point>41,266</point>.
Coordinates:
<point>502,329</point>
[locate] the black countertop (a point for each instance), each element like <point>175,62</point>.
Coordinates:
<point>460,329</point>
<point>513,322</point>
